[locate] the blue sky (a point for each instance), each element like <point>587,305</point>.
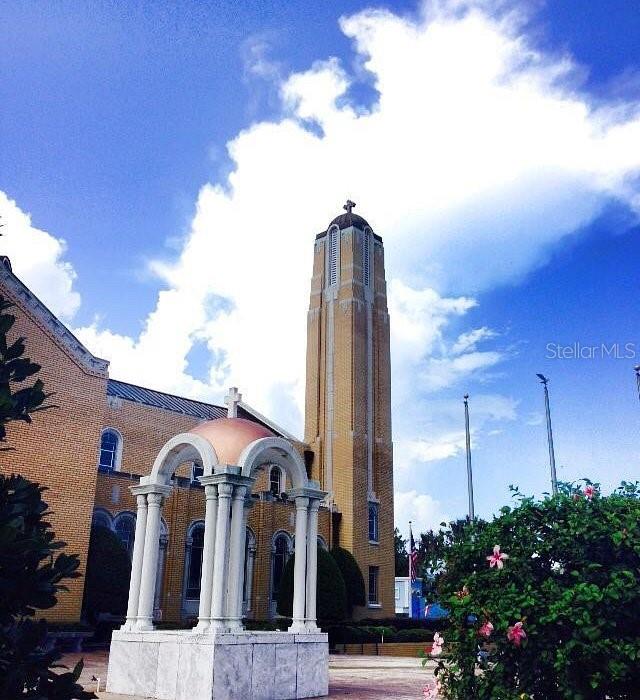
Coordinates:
<point>115,124</point>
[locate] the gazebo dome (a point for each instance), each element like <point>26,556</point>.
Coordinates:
<point>229,436</point>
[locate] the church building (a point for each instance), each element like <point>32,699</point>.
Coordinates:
<point>104,434</point>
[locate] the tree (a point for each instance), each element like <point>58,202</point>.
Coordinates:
<point>549,592</point>
<point>106,586</point>
<point>331,593</point>
<point>402,558</point>
<point>352,576</point>
<point>31,573</point>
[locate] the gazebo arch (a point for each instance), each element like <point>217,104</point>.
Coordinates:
<point>231,451</point>
<point>185,447</point>
<point>274,450</point>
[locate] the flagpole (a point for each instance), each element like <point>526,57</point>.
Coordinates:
<point>469,472</point>
<point>410,553</point>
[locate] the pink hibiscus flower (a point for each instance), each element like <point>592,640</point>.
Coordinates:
<point>430,692</point>
<point>486,630</point>
<point>497,558</point>
<point>436,648</point>
<point>589,492</point>
<point>516,634</point>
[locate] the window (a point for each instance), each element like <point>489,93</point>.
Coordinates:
<point>101,518</point>
<point>280,556</point>
<point>194,561</point>
<point>197,470</point>
<point>366,267</point>
<point>334,246</point>
<point>275,480</point>
<point>109,450</point>
<point>373,585</point>
<point>373,522</point>
<point>125,528</point>
<point>397,592</point>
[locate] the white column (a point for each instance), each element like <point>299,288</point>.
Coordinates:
<point>136,562</point>
<point>236,558</point>
<point>157,598</point>
<point>206,582</point>
<point>149,562</point>
<point>299,569</point>
<point>312,565</point>
<point>249,575</point>
<point>220,557</point>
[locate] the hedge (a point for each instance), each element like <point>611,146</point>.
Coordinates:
<point>352,576</point>
<point>106,587</point>
<point>331,595</point>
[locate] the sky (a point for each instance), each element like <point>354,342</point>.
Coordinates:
<point>165,168</point>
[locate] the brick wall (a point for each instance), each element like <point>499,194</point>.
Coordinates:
<point>60,448</point>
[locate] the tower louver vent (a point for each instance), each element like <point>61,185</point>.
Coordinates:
<point>365,259</point>
<point>334,241</point>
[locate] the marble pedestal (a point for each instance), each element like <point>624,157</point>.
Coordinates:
<point>181,665</point>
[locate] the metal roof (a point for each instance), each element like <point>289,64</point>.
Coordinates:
<point>169,402</point>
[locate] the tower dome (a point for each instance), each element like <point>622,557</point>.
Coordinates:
<point>230,436</point>
<point>349,218</point>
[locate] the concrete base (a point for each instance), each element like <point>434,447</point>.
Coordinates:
<point>182,665</point>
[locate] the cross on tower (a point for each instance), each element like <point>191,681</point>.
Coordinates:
<point>349,206</point>
<point>232,399</point>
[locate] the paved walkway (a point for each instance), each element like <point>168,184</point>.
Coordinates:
<point>353,677</point>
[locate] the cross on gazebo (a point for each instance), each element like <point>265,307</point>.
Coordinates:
<point>349,206</point>
<point>232,399</point>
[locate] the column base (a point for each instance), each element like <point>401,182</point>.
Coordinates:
<point>297,627</point>
<point>310,626</point>
<point>144,625</point>
<point>203,626</point>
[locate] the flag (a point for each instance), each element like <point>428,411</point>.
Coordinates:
<point>413,556</point>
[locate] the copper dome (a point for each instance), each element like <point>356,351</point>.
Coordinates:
<point>229,436</point>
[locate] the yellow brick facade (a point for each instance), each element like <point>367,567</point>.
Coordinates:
<point>348,396</point>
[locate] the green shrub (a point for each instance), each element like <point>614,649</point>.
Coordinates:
<point>416,635</point>
<point>106,585</point>
<point>331,595</point>
<point>352,576</point>
<point>571,583</point>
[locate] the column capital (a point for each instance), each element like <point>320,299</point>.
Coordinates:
<point>312,494</point>
<point>155,499</point>
<point>145,489</point>
<point>225,490</point>
<point>239,492</point>
<point>211,491</point>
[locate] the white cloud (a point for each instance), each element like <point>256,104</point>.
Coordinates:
<point>479,154</point>
<point>37,258</point>
<point>424,512</point>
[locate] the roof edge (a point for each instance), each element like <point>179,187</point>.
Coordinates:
<point>52,324</point>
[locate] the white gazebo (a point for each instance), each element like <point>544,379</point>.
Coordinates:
<point>218,658</point>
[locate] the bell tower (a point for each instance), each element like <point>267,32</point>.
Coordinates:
<point>348,399</point>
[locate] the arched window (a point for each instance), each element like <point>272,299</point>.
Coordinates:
<point>193,563</point>
<point>125,528</point>
<point>373,522</point>
<point>280,553</point>
<point>275,480</point>
<point>102,518</point>
<point>110,450</point>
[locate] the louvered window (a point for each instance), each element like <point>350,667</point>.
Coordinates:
<point>366,267</point>
<point>332,270</point>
